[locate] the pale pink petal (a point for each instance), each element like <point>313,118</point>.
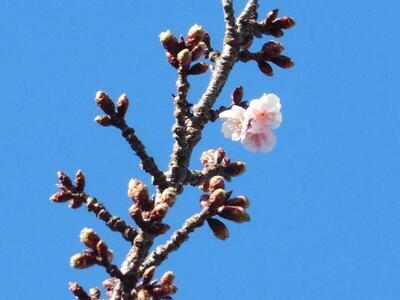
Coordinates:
<point>263,142</point>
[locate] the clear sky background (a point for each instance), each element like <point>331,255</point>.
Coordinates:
<point>325,202</point>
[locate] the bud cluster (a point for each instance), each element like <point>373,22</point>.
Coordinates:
<point>148,213</point>
<point>153,289</point>
<point>272,25</point>
<point>216,157</point>
<point>220,203</point>
<point>69,191</point>
<point>98,252</point>
<point>181,53</point>
<point>113,114</point>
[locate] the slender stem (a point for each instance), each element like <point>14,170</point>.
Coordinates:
<point>161,253</point>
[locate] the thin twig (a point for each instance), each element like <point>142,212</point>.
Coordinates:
<point>156,257</point>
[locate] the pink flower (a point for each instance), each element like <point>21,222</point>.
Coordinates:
<point>253,126</point>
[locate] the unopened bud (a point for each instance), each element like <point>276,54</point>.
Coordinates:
<point>167,279</point>
<point>198,50</point>
<point>241,201</point>
<point>103,120</point>
<point>122,105</point>
<point>136,214</point>
<point>94,293</point>
<point>283,61</point>
<point>148,275</point>
<point>272,49</point>
<point>217,198</point>
<point>138,193</point>
<point>143,295</point>
<point>169,41</point>
<point>237,95</point>
<point>104,252</point>
<point>212,157</point>
<point>159,211</point>
<point>236,168</point>
<point>218,228</point>
<point>204,200</point>
<point>80,180</point>
<point>78,291</point>
<point>216,182</point>
<point>271,16</point>
<point>276,32</point>
<point>198,69</point>
<point>184,58</point>
<point>60,197</point>
<point>169,196</point>
<point>265,68</point>
<point>83,260</point>
<point>284,22</point>
<point>89,238</point>
<point>64,180</point>
<point>234,213</point>
<point>195,35</point>
<point>172,59</point>
<point>105,103</point>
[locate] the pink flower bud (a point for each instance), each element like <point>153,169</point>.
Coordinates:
<point>217,198</point>
<point>89,238</point>
<point>105,103</point>
<point>168,278</point>
<point>122,105</point>
<point>184,58</point>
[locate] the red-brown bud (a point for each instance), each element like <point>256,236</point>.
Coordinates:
<point>241,201</point>
<point>64,180</point>
<point>284,22</point>
<point>169,42</point>
<point>148,275</point>
<point>195,35</point>
<point>236,168</point>
<point>198,69</point>
<point>167,279</point>
<point>198,50</point>
<point>218,228</point>
<point>136,214</point>
<point>83,260</point>
<point>204,200</point>
<point>78,291</point>
<point>103,120</point>
<point>216,182</point>
<point>276,32</point>
<point>172,59</point>
<point>283,61</point>
<point>237,95</point>
<point>122,105</point>
<point>234,213</point>
<point>159,211</point>
<point>265,68</point>
<point>105,103</point>
<point>271,16</point>
<point>104,252</point>
<point>89,238</point>
<point>60,197</point>
<point>169,196</point>
<point>80,180</point>
<point>272,49</point>
<point>138,193</point>
<point>217,198</point>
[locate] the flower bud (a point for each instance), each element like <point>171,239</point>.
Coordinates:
<point>94,293</point>
<point>217,198</point>
<point>169,42</point>
<point>136,214</point>
<point>105,103</point>
<point>195,35</point>
<point>80,180</point>
<point>159,211</point>
<point>60,197</point>
<point>122,105</point>
<point>78,291</point>
<point>271,49</point>
<point>235,168</point>
<point>172,59</point>
<point>284,22</point>
<point>283,61</point>
<point>198,69</point>
<point>89,238</point>
<point>104,121</point>
<point>241,201</point>
<point>237,95</point>
<point>104,252</point>
<point>276,32</point>
<point>198,50</point>
<point>143,295</point>
<point>204,200</point>
<point>64,180</point>
<point>169,196</point>
<point>148,275</point>
<point>83,260</point>
<point>218,228</point>
<point>138,193</point>
<point>216,182</point>
<point>184,58</point>
<point>234,213</point>
<point>167,278</point>
<point>271,16</point>
<point>212,157</point>
<point>265,68</point>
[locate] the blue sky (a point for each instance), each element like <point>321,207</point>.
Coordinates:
<point>325,203</point>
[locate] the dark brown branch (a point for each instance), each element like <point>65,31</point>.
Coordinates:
<point>178,237</point>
